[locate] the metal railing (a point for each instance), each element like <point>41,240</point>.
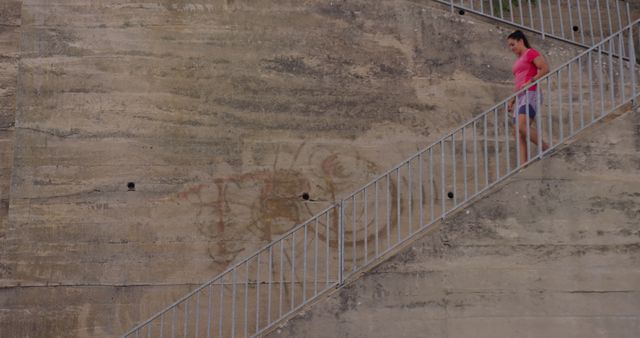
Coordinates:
<point>580,22</point>
<point>314,257</point>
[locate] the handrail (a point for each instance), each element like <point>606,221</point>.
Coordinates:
<point>347,237</point>
<point>583,24</point>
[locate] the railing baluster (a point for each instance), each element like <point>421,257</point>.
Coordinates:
<point>209,291</point>
<point>486,150</point>
<point>570,90</point>
<point>560,110</point>
<point>573,37</point>
<point>549,7</point>
<point>611,71</point>
<point>590,21</point>
<point>506,139</point>
<point>601,80</point>
<point>173,323</point>
<point>431,211</point>
<point>464,161</point>
<point>609,18</point>
<point>590,61</point>
<point>421,191</point>
<point>233,304</point>
<point>620,26</point>
<point>600,20</point>
<point>388,199</point>
<point>197,314</point>
<point>365,223</point>
<point>632,66</point>
<point>442,180</point>
<point>398,183</point>
<point>375,219</point>
<point>581,25</point>
<point>328,240</point>
<point>561,19</point>
<point>453,169</point>
<point>580,94</point>
<point>341,246</point>
<point>511,9</point>
<point>221,306</point>
<point>186,318</point>
<point>246,300</point>
<point>516,127</point>
<point>550,112</point>
<point>539,119</point>
<point>475,159</point>
<point>409,196</point>
<point>281,293</point>
<point>520,11</point>
<point>354,231</point>
<point>496,135</point>
<point>541,18</point>
<point>527,132</point>
<point>531,22</point>
<point>269,282</point>
<point>162,326</point>
<point>293,270</point>
<point>315,259</point>
<point>621,62</point>
<point>257,295</point>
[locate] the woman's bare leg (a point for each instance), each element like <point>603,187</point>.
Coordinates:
<point>533,137</point>
<point>521,139</point>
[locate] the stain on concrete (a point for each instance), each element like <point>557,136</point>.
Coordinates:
<point>348,300</point>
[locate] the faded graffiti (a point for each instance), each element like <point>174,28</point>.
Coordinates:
<point>260,205</point>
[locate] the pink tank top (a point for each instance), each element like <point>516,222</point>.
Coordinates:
<point>524,69</point>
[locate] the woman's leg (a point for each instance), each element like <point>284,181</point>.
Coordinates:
<point>521,138</point>
<point>533,137</point>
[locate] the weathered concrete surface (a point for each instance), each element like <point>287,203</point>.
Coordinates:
<point>554,252</point>
<point>222,113</point>
<point>9,55</point>
<point>9,37</point>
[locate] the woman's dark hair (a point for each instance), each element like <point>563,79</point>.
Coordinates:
<point>518,35</point>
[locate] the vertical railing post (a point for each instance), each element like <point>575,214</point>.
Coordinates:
<point>539,118</point>
<point>451,5</point>
<point>632,65</point>
<point>341,243</point>
<point>541,19</point>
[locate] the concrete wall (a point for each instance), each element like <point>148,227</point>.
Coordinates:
<point>553,252</point>
<point>222,113</point>
<point>9,56</point>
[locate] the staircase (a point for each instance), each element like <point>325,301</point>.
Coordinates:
<point>365,227</point>
<point>581,23</point>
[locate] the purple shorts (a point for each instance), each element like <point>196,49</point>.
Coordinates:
<point>526,101</point>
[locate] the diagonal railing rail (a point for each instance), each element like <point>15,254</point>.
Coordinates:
<point>346,238</point>
<point>579,22</point>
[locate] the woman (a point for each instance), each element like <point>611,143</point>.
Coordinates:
<point>529,67</point>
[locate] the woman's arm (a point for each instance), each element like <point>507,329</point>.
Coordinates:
<point>543,68</point>
<point>511,103</point>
